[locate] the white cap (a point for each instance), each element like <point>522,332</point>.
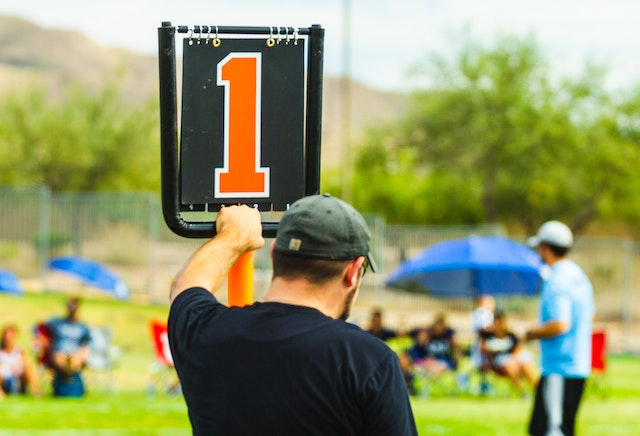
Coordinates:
<point>553,233</point>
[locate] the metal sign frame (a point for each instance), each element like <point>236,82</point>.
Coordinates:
<point>172,206</point>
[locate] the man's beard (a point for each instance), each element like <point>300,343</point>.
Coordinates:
<point>346,309</point>
<point>348,302</point>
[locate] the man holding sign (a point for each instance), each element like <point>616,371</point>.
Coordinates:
<point>288,364</point>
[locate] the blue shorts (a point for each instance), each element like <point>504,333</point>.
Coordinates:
<point>11,385</point>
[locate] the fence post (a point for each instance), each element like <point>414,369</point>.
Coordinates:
<point>44,229</point>
<point>627,286</point>
<point>153,237</point>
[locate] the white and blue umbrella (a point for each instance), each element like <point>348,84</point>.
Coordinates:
<point>91,273</point>
<point>9,283</point>
<point>469,267</point>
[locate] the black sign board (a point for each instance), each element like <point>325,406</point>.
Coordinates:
<point>250,122</point>
<point>242,135</point>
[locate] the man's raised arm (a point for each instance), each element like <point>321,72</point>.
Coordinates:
<point>238,230</point>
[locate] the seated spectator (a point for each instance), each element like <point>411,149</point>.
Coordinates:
<point>69,351</point>
<point>505,354</point>
<point>481,320</point>
<point>17,372</point>
<point>418,351</point>
<point>441,348</point>
<point>41,344</point>
<point>406,365</point>
<point>376,326</point>
<point>413,358</point>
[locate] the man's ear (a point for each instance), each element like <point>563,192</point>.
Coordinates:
<point>352,271</point>
<point>271,246</point>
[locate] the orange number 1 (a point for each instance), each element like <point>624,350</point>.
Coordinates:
<point>242,175</point>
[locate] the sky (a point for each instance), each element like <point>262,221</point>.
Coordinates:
<point>387,39</point>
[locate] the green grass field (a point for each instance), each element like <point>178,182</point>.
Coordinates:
<point>130,410</point>
<point>614,409</point>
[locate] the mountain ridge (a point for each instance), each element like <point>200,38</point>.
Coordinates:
<point>57,58</point>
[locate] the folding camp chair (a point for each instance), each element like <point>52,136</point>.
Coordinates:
<point>103,358</point>
<point>596,382</point>
<point>162,372</point>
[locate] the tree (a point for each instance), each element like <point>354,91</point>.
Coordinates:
<point>495,140</point>
<point>79,141</point>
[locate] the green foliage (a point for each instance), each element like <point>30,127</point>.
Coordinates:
<point>390,180</point>
<point>9,250</point>
<point>53,241</point>
<point>79,141</point>
<point>494,140</point>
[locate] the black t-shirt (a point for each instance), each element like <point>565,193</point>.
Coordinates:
<point>440,346</point>
<point>497,347</point>
<point>278,369</point>
<point>384,334</point>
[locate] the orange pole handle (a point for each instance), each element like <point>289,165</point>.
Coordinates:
<point>240,281</point>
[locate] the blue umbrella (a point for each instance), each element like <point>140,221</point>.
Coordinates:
<point>91,273</point>
<point>9,283</point>
<point>471,266</point>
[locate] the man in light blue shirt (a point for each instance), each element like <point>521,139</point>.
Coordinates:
<point>564,330</point>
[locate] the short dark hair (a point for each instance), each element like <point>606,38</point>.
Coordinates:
<point>317,271</point>
<point>10,326</point>
<point>558,251</point>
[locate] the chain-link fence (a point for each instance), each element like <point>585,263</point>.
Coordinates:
<point>119,230</point>
<point>24,222</point>
<point>125,232</point>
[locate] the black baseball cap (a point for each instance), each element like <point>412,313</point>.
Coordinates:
<point>324,227</point>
